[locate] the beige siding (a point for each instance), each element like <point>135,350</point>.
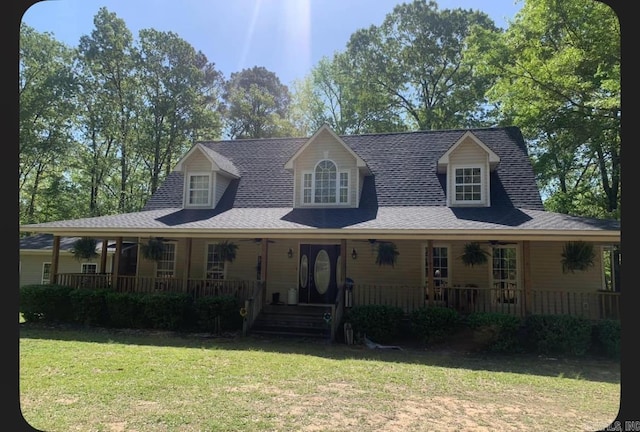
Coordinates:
<point>547,277</point>
<point>469,153</point>
<point>221,184</point>
<point>325,147</point>
<point>404,284</point>
<point>31,265</point>
<point>196,161</point>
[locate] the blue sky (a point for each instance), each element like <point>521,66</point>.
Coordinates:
<point>287,37</point>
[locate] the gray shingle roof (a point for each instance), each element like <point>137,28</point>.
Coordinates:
<point>403,167</point>
<point>404,192</point>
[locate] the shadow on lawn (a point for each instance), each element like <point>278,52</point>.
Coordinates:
<point>443,355</point>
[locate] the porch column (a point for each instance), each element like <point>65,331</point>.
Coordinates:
<point>343,262</point>
<point>430,290</point>
<point>187,265</point>
<point>263,268</point>
<point>526,277</point>
<point>115,272</point>
<point>53,275</point>
<point>103,256</point>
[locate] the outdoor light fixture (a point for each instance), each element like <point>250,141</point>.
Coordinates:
<point>354,254</point>
<point>290,253</point>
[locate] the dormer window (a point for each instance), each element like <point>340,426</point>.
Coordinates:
<point>325,185</point>
<point>199,189</point>
<point>468,184</point>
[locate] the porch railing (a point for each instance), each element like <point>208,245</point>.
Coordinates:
<point>590,304</point>
<point>243,290</point>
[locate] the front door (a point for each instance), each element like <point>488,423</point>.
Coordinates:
<point>318,273</point>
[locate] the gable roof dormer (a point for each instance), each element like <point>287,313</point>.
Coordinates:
<point>326,129</point>
<point>206,175</point>
<point>218,162</point>
<point>467,165</point>
<point>326,172</point>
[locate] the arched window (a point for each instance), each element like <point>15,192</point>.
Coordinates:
<point>325,185</point>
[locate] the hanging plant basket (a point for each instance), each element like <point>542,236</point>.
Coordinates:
<point>227,250</point>
<point>152,249</point>
<point>387,254</point>
<point>85,248</point>
<point>578,255</point>
<point>474,254</point>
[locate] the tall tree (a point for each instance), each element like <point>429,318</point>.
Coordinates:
<point>558,78</point>
<point>333,94</point>
<point>256,104</point>
<point>46,87</point>
<point>415,58</point>
<point>108,54</point>
<point>181,90</point>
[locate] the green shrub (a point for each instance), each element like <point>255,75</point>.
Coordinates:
<point>495,331</point>
<point>89,306</point>
<point>125,310</point>
<point>215,314</point>
<point>557,334</point>
<point>46,303</point>
<point>165,311</point>
<point>606,338</point>
<point>380,323</point>
<point>434,323</point>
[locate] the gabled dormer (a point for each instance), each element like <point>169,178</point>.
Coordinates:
<point>326,172</point>
<point>467,165</point>
<point>206,176</point>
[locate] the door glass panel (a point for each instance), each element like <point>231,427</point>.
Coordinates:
<point>304,271</point>
<point>322,271</point>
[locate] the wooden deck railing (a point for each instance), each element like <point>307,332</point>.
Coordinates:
<point>589,304</point>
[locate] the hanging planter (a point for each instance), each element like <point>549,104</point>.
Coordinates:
<point>474,254</point>
<point>152,249</point>
<point>387,254</point>
<point>85,248</point>
<point>578,255</point>
<point>227,250</point>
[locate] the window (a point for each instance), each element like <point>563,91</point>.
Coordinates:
<point>325,185</point>
<point>468,184</point>
<point>505,274</point>
<point>46,273</point>
<point>215,266</point>
<point>440,269</point>
<point>198,192</point>
<point>89,268</point>
<point>166,265</point>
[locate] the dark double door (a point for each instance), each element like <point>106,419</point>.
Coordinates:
<point>318,273</point>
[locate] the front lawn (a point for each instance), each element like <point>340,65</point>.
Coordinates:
<point>99,380</point>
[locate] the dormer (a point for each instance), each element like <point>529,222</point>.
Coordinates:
<point>206,176</point>
<point>467,165</point>
<point>327,173</point>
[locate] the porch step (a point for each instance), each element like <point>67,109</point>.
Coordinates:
<point>292,320</point>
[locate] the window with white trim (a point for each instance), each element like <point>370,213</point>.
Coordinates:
<point>89,268</point>
<point>467,184</point>
<point>325,185</point>
<point>198,189</point>
<point>166,265</point>
<point>46,273</point>
<point>505,274</point>
<point>214,264</point>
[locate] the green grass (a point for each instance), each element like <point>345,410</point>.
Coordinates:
<point>98,380</point>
